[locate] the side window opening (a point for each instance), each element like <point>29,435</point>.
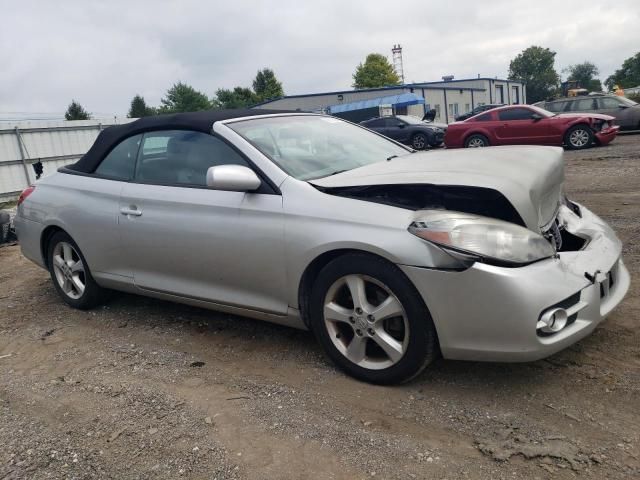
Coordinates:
<point>486,117</point>
<point>607,103</point>
<point>182,157</point>
<point>515,114</point>
<point>120,162</point>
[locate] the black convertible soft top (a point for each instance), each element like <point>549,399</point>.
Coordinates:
<point>198,121</point>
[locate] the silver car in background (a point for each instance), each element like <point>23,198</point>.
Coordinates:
<point>389,256</point>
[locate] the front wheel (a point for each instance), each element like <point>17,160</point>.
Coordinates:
<point>419,141</point>
<point>70,273</point>
<point>371,320</point>
<point>579,137</point>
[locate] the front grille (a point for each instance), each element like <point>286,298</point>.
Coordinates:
<point>609,281</point>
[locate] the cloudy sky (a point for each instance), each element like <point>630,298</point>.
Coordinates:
<point>103,53</point>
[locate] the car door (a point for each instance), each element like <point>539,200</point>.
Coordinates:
<point>614,107</point>
<point>185,239</point>
<point>519,127</point>
<point>93,209</point>
<point>396,129</point>
<point>377,125</point>
<point>587,105</point>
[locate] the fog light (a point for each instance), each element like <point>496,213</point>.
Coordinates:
<point>553,320</point>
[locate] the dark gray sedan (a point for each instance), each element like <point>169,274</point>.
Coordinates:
<point>408,130</point>
<point>626,112</point>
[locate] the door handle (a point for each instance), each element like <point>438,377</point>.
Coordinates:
<point>131,210</point>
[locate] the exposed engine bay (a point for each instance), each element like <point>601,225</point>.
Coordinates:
<point>479,200</point>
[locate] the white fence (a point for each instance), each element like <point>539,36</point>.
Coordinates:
<point>54,143</point>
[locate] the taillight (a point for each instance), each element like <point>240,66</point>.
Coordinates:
<point>25,193</point>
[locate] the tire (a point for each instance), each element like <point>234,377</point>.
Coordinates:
<point>69,270</point>
<point>476,140</point>
<point>354,338</point>
<point>419,141</point>
<point>579,137</point>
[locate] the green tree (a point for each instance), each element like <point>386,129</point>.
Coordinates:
<point>534,67</point>
<point>139,108</point>
<point>239,97</point>
<point>585,74</point>
<point>266,86</point>
<point>376,71</point>
<point>75,111</point>
<point>184,98</point>
<point>626,76</point>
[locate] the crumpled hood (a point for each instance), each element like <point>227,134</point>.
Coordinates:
<point>531,178</point>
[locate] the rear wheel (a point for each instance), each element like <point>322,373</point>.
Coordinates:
<point>419,141</point>
<point>476,140</point>
<point>70,273</point>
<point>371,320</point>
<point>579,137</point>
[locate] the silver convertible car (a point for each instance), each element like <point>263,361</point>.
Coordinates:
<point>389,256</point>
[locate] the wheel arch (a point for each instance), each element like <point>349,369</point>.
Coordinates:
<point>314,268</point>
<point>476,132</point>
<point>312,271</point>
<point>426,133</point>
<point>45,238</point>
<point>581,122</point>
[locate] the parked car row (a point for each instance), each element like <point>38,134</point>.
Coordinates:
<point>503,125</point>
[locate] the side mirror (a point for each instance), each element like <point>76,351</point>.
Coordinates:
<point>623,106</point>
<point>536,117</point>
<point>232,178</point>
<point>401,125</point>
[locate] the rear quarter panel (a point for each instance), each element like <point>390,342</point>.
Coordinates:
<point>87,209</point>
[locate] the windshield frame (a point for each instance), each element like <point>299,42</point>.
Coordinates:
<point>399,151</point>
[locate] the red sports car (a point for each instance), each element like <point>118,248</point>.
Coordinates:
<point>529,125</point>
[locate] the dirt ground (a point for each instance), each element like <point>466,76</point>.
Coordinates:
<point>147,389</point>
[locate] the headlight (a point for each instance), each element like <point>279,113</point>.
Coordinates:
<point>489,240</point>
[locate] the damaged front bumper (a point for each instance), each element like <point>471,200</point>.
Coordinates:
<point>606,135</point>
<point>491,313</point>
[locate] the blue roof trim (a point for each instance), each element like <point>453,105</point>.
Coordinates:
<point>402,100</point>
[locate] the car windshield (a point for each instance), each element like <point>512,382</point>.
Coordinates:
<point>313,146</point>
<point>410,120</point>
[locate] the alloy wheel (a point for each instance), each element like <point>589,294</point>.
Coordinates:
<point>419,142</point>
<point>476,143</point>
<point>366,322</point>
<point>69,270</point>
<point>579,138</point>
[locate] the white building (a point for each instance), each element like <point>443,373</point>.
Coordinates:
<point>448,98</point>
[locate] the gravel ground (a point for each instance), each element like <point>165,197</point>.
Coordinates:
<point>147,389</point>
